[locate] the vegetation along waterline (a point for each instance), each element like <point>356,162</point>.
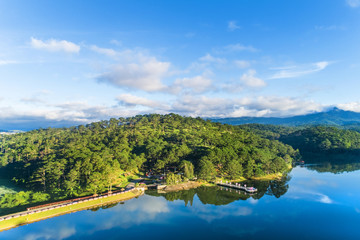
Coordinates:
<point>37,214</point>
<point>60,163</point>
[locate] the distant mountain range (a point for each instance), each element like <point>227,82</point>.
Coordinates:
<point>8,132</point>
<point>335,116</point>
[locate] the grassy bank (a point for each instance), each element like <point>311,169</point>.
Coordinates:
<point>18,221</point>
<point>269,177</point>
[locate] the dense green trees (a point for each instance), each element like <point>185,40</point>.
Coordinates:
<point>321,141</point>
<point>324,139</point>
<point>94,157</point>
<point>22,198</point>
<point>188,169</point>
<point>206,170</point>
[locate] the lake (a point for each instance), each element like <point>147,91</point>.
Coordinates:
<point>312,202</point>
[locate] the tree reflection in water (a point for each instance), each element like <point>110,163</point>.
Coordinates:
<point>335,167</point>
<point>223,196</point>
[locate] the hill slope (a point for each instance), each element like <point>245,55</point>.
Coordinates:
<point>92,157</point>
<point>330,143</point>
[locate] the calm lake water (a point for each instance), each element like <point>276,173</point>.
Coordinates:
<point>313,202</point>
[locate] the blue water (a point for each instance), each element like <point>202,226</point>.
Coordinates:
<point>313,205</point>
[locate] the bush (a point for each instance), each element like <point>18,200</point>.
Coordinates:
<point>22,198</point>
<point>172,178</point>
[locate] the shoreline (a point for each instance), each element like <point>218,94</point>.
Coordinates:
<point>195,184</point>
<point>23,218</point>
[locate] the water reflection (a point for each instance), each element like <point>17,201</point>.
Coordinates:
<point>335,167</point>
<point>210,214</point>
<point>58,233</point>
<point>224,196</point>
<point>136,212</point>
<point>305,204</point>
<point>91,222</point>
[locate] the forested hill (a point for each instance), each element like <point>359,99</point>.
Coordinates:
<point>324,139</point>
<point>328,141</point>
<point>334,117</point>
<point>90,157</point>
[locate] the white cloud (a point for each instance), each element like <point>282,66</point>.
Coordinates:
<point>75,113</point>
<point>298,71</point>
<point>6,62</point>
<point>242,63</point>
<point>261,106</point>
<point>232,25</point>
<point>209,58</point>
<point>206,62</point>
<point>62,114</point>
<point>32,100</point>
<point>353,3</point>
<point>325,199</point>
<point>132,100</point>
<point>145,75</point>
<point>202,106</point>
<point>53,45</point>
<point>352,106</point>
<point>270,106</point>
<point>58,233</point>
<point>249,80</point>
<point>280,106</point>
<point>116,42</point>
<point>232,87</point>
<point>82,112</point>
<point>106,51</point>
<point>196,84</point>
<point>244,111</point>
<point>239,47</point>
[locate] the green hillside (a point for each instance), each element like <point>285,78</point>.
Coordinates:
<point>70,161</point>
<point>314,142</point>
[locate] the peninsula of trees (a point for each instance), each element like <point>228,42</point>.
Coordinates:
<point>91,158</point>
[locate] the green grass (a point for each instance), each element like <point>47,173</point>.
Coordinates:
<point>15,222</point>
<point>123,184</point>
<point>269,176</point>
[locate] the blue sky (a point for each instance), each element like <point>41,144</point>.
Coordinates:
<point>74,62</point>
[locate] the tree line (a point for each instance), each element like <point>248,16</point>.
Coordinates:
<point>319,141</point>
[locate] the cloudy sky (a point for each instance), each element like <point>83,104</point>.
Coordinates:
<point>74,62</point>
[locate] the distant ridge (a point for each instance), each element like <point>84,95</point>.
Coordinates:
<point>334,116</point>
<point>8,132</point>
